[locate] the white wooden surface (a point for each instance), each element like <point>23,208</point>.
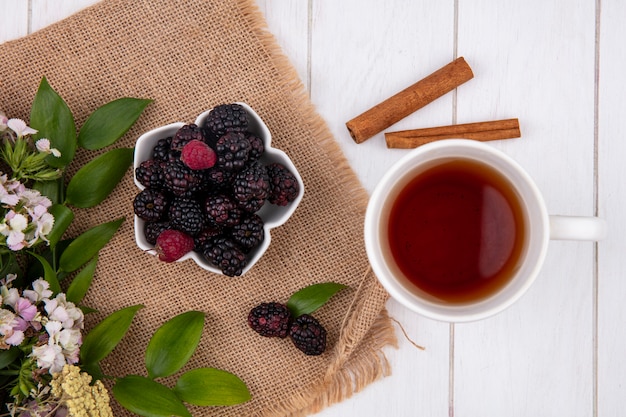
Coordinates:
<point>559,67</point>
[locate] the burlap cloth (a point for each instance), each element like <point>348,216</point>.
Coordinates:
<point>190,55</point>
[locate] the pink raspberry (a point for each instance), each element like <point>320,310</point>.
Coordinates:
<point>198,155</point>
<point>172,244</point>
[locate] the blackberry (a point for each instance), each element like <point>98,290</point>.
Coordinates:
<point>204,238</point>
<point>150,205</point>
<point>222,211</point>
<point>257,148</point>
<point>232,151</point>
<point>150,174</point>
<point>253,183</point>
<point>253,205</point>
<point>161,150</point>
<point>225,118</point>
<point>308,335</point>
<point>186,134</point>
<point>218,179</point>
<point>284,185</point>
<point>152,230</point>
<point>226,255</point>
<point>186,215</point>
<point>249,233</point>
<point>181,180</point>
<point>270,320</point>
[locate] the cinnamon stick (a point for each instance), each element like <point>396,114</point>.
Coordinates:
<point>481,131</point>
<point>409,100</point>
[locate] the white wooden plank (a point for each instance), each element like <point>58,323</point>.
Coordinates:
<point>535,60</point>
<point>361,53</point>
<point>612,201</point>
<point>13,19</point>
<point>46,12</point>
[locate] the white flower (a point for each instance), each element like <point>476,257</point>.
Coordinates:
<point>49,356</point>
<point>64,311</point>
<point>13,228</point>
<point>20,128</point>
<point>70,341</point>
<point>63,347</point>
<point>7,320</point>
<point>44,226</point>
<point>9,295</point>
<point>43,145</point>
<point>7,196</point>
<point>11,336</point>
<point>33,198</point>
<point>15,338</point>
<point>39,292</point>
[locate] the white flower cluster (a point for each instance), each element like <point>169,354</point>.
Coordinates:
<point>21,129</point>
<point>26,221</point>
<point>57,330</point>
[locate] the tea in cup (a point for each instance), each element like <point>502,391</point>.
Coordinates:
<point>457,231</point>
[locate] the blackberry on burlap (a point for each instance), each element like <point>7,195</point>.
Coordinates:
<point>270,319</point>
<point>150,205</point>
<point>308,335</point>
<point>186,215</point>
<point>226,255</point>
<point>225,118</point>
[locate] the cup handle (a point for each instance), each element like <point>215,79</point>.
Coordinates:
<point>577,228</point>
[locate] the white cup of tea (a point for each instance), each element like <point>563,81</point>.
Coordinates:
<point>457,231</point>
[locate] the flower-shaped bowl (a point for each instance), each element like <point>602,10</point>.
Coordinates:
<point>272,215</point>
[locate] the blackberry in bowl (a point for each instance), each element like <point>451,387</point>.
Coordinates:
<point>221,177</point>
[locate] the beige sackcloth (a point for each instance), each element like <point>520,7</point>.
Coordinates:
<point>188,56</point>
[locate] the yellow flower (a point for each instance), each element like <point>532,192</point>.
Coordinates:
<point>72,388</point>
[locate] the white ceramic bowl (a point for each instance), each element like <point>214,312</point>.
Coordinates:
<point>272,215</point>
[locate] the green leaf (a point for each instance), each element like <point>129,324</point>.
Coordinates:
<point>7,357</point>
<point>310,298</point>
<point>148,398</point>
<point>53,120</point>
<point>103,338</point>
<point>87,245</point>
<point>109,123</point>
<point>96,179</point>
<point>82,281</point>
<point>63,217</point>
<point>87,310</point>
<point>48,273</point>
<point>10,265</point>
<point>210,386</point>
<point>53,189</point>
<point>173,344</point>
